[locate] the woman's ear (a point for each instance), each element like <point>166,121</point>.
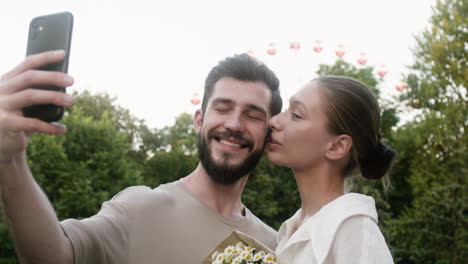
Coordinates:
<point>340,147</point>
<point>198,120</point>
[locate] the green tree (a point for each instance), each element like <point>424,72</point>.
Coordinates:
<point>181,135</point>
<point>172,151</point>
<point>7,250</point>
<point>433,227</point>
<point>101,105</point>
<point>84,168</point>
<point>271,193</point>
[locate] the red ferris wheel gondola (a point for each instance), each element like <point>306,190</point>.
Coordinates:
<point>195,99</point>
<point>340,51</point>
<point>362,59</point>
<point>271,50</point>
<point>295,46</point>
<point>318,46</point>
<point>382,70</point>
<point>401,86</point>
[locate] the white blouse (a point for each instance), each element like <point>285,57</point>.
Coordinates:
<point>343,231</point>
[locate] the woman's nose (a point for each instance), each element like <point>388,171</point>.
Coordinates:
<point>274,123</point>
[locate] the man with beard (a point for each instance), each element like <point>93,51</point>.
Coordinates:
<point>178,222</point>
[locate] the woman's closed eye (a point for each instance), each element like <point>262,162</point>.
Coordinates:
<point>295,116</point>
<point>256,116</point>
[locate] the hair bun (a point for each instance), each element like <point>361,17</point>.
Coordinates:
<point>377,162</point>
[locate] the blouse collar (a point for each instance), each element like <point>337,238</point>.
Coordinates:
<point>321,227</point>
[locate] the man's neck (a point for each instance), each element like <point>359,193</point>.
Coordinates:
<point>224,199</point>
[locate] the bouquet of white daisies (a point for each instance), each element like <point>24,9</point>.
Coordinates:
<point>242,254</point>
<point>239,248</point>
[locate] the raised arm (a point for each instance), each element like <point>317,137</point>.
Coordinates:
<point>32,221</point>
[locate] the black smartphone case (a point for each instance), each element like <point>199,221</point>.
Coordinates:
<point>50,32</point>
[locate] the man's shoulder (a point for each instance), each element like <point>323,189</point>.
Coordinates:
<point>142,196</point>
<point>262,232</point>
<point>266,228</point>
<point>261,225</point>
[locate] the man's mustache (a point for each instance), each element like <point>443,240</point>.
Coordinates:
<point>226,134</point>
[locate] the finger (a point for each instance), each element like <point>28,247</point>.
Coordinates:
<point>30,125</point>
<point>35,96</point>
<point>33,62</point>
<point>28,134</point>
<point>33,78</point>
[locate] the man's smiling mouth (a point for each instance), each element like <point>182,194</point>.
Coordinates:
<point>231,139</point>
<point>230,143</point>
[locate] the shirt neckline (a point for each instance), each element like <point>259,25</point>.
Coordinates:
<point>240,222</point>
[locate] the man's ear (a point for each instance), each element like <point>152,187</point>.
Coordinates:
<point>198,120</point>
<point>340,147</point>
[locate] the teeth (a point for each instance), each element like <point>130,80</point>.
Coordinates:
<point>229,143</point>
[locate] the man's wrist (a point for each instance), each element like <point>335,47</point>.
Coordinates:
<point>13,172</point>
<point>18,160</point>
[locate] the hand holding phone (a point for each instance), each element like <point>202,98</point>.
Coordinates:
<point>16,93</point>
<point>46,33</point>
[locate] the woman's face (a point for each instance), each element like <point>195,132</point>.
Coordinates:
<point>299,138</point>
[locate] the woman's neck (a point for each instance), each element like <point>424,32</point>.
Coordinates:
<point>317,187</point>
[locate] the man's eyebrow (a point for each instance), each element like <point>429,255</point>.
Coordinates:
<point>221,100</point>
<point>256,108</point>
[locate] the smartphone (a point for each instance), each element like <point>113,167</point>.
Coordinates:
<point>49,32</point>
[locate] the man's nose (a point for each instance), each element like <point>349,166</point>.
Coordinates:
<point>234,122</point>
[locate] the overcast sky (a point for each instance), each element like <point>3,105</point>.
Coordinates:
<point>153,55</point>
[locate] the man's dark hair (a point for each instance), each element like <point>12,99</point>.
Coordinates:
<point>244,67</point>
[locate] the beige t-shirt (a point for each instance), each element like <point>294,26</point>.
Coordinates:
<point>164,225</point>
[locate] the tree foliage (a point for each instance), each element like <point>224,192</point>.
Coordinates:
<point>172,151</point>
<point>439,76</point>
<point>83,168</point>
<point>271,193</point>
<point>432,227</point>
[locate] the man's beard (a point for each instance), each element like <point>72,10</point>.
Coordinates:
<point>224,173</point>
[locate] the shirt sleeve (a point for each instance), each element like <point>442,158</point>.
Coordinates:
<point>359,241</point>
<point>101,238</point>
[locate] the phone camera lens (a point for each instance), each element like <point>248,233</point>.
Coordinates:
<point>33,30</point>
